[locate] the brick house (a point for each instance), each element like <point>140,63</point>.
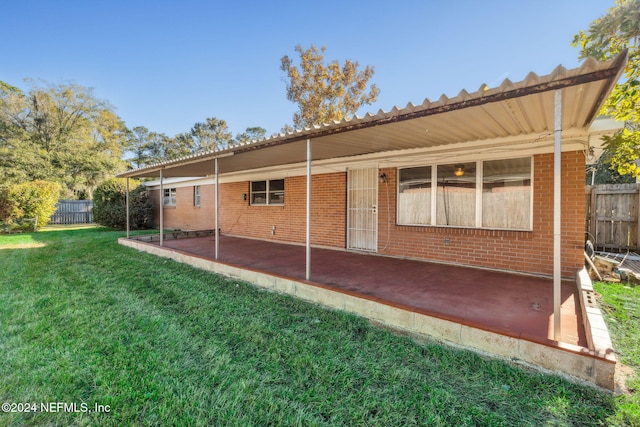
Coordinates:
<point>466,180</point>
<point>493,180</point>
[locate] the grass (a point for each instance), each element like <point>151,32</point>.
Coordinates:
<point>86,321</point>
<point>621,307</point>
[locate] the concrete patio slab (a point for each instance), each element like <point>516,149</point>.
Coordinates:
<point>508,315</point>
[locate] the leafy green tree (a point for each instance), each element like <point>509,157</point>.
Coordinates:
<point>326,92</point>
<point>159,143</point>
<point>150,147</point>
<point>603,173</point>
<point>251,134</point>
<point>211,134</point>
<point>109,133</point>
<point>59,133</point>
<point>607,36</point>
<point>139,146</point>
<point>179,146</point>
<point>17,161</point>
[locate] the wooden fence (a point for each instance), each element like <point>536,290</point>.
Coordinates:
<point>612,217</point>
<point>73,212</point>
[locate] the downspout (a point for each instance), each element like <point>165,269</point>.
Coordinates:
<point>216,232</point>
<point>308,225</point>
<point>161,210</point>
<point>127,207</point>
<point>557,210</point>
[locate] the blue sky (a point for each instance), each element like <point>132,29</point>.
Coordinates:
<point>169,64</point>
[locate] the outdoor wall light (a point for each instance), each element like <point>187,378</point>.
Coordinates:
<point>383,177</point>
<point>458,170</point>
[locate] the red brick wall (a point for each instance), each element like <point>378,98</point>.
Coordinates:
<point>184,215</point>
<point>524,251</point>
<point>238,217</point>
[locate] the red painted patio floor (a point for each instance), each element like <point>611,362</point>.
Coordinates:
<point>509,304</point>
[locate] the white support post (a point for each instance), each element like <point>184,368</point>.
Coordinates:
<point>308,225</point>
<point>161,210</point>
<point>479,183</point>
<point>557,215</point>
<point>216,232</point>
<point>127,208</point>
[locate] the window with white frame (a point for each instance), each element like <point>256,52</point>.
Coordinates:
<point>494,194</point>
<point>169,198</point>
<point>414,196</point>
<point>196,196</point>
<point>506,193</point>
<point>268,192</point>
<point>456,195</point>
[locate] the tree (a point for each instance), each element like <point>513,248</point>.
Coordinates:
<point>211,134</point>
<point>602,173</point>
<point>251,134</point>
<point>139,145</point>
<point>179,146</point>
<point>17,161</point>
<point>151,147</point>
<point>325,93</point>
<point>607,36</point>
<point>7,87</point>
<point>60,133</point>
<point>148,148</point>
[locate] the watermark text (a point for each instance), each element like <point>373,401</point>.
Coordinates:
<point>53,407</point>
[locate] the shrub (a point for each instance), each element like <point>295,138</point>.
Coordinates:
<point>7,205</point>
<point>109,205</point>
<point>17,226</point>
<point>36,199</point>
<point>141,209</point>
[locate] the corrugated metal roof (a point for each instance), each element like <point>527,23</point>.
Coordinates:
<point>511,109</point>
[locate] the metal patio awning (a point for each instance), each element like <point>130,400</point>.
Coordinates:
<point>509,110</point>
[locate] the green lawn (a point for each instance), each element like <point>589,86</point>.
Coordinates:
<point>621,306</point>
<point>86,321</point>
